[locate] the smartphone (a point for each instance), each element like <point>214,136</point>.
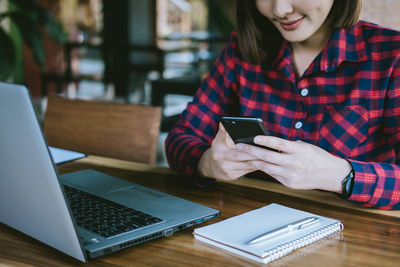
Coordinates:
<point>244,129</point>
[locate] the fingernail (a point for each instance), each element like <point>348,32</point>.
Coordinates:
<point>256,139</point>
<point>239,147</point>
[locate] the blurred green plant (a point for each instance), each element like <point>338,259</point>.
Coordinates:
<point>23,22</point>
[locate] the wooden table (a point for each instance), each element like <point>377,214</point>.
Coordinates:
<point>370,237</point>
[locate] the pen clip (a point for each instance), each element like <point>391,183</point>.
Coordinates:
<point>315,219</point>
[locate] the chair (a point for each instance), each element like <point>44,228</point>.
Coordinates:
<point>122,131</point>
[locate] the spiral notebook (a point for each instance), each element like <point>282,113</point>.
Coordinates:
<point>237,234</point>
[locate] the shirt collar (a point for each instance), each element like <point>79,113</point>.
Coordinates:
<point>344,45</point>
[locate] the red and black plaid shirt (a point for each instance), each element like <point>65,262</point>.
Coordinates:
<point>347,102</point>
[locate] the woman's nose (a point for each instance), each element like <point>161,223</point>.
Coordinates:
<point>282,8</point>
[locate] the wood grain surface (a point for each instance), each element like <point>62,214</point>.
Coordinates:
<point>368,239</point>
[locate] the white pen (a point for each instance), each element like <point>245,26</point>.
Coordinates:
<point>297,225</point>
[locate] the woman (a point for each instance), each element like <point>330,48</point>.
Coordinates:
<point>328,90</point>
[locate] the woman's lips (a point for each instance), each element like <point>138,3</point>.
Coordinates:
<point>291,25</point>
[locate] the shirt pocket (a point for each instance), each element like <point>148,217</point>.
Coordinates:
<point>343,129</point>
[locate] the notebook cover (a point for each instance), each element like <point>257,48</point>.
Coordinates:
<point>233,234</point>
<point>60,155</point>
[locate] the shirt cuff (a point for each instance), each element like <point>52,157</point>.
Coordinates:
<point>191,169</point>
<point>364,182</point>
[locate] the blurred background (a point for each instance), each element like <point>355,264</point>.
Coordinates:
<point>151,52</point>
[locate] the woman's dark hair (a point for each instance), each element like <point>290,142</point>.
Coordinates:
<point>258,36</point>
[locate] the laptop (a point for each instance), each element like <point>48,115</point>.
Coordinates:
<point>85,214</point>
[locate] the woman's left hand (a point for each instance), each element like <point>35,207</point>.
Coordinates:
<point>299,165</point>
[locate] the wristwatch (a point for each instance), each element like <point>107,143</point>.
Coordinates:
<point>347,185</point>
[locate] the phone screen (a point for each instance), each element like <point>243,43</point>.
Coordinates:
<point>244,129</point>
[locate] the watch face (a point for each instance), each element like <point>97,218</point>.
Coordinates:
<point>347,185</point>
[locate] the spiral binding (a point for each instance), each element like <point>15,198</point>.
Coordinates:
<point>286,248</point>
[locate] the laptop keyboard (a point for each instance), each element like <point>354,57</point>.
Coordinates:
<point>105,217</point>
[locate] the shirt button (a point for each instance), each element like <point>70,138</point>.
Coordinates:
<point>304,92</point>
<point>298,125</point>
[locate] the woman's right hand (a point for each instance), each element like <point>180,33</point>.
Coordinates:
<point>222,160</point>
